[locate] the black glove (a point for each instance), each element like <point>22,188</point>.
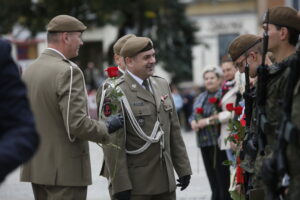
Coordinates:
<point>114,123</point>
<point>124,195</point>
<point>184,181</point>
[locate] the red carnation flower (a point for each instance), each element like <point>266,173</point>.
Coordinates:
<point>229,107</point>
<point>112,72</point>
<point>212,100</point>
<point>199,111</point>
<point>238,110</point>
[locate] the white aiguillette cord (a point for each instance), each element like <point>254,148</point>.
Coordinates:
<point>101,100</point>
<point>69,100</point>
<point>153,138</point>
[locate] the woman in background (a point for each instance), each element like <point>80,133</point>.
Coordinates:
<point>204,122</point>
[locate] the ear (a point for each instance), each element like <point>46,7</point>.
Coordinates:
<point>254,56</point>
<point>116,59</point>
<point>128,62</point>
<point>284,33</point>
<point>65,37</point>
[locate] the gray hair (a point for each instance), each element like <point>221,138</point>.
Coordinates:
<point>53,37</point>
<point>216,70</point>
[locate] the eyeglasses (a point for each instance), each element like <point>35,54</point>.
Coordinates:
<point>240,64</point>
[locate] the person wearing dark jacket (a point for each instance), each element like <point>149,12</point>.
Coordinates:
<point>18,137</point>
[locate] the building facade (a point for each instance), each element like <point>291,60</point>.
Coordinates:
<point>220,21</point>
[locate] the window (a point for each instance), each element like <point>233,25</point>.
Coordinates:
<point>223,43</point>
<point>296,4</point>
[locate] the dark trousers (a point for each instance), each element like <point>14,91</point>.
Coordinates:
<point>47,192</point>
<point>217,173</point>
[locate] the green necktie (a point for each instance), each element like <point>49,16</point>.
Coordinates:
<point>146,85</point>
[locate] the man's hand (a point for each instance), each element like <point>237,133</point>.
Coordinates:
<point>184,181</point>
<point>124,195</point>
<point>114,123</point>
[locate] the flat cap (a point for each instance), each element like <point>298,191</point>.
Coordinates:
<point>120,43</point>
<point>65,23</point>
<point>242,44</point>
<point>135,45</point>
<point>284,16</point>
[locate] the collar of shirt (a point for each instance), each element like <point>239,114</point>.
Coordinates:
<point>57,52</point>
<point>121,70</point>
<point>138,79</point>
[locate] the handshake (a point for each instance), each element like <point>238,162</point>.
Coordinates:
<point>114,123</point>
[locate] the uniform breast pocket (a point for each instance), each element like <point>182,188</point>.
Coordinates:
<point>141,114</point>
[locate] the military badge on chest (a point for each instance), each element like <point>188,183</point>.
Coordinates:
<point>138,105</point>
<point>141,121</point>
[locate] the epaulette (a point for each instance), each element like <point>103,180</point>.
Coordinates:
<point>70,62</point>
<point>158,77</point>
<point>155,76</point>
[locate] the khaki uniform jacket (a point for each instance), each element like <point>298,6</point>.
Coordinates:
<point>147,173</point>
<point>59,161</point>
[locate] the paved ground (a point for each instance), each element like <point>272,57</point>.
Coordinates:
<point>199,189</point>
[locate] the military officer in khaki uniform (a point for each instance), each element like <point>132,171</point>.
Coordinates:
<point>119,60</point>
<point>152,146</point>
<point>56,90</point>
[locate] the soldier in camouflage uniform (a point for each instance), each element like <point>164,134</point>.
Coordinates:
<point>247,49</point>
<point>283,29</point>
<point>283,37</point>
<point>282,43</point>
<point>293,150</point>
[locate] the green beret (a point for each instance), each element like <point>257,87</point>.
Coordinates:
<point>242,44</point>
<point>65,23</point>
<point>120,42</point>
<point>135,45</point>
<point>284,16</point>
